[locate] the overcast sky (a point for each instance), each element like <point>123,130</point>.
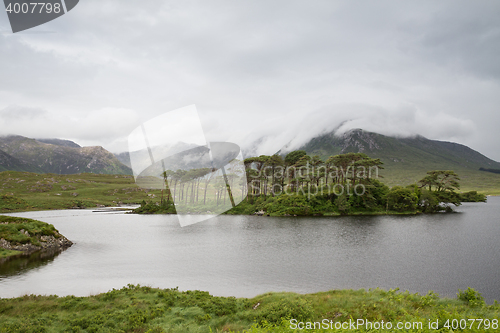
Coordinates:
<point>284,70</point>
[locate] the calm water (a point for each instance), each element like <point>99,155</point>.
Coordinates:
<point>245,256</point>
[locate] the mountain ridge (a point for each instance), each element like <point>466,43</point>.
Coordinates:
<point>407,159</point>
<point>381,146</point>
<point>61,157</point>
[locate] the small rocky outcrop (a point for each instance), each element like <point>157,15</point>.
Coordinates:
<point>260,213</point>
<point>46,243</point>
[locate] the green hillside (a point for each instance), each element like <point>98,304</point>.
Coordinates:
<point>406,160</point>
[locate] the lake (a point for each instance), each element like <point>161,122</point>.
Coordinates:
<point>244,256</point>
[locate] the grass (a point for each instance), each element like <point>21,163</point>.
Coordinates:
<point>24,191</point>
<point>146,309</point>
<point>19,231</point>
<point>470,180</point>
<point>11,227</point>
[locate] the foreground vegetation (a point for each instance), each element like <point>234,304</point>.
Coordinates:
<point>146,309</point>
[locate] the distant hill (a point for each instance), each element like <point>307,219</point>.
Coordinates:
<point>61,157</point>
<point>406,160</point>
<point>124,158</point>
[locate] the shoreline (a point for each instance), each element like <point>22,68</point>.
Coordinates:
<point>23,236</point>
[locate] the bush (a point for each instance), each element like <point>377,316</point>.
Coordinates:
<point>289,204</point>
<point>274,313</point>
<point>155,208</point>
<point>428,202</point>
<point>471,297</point>
<point>472,196</point>
<point>402,199</point>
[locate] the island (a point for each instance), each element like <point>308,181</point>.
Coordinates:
<point>20,236</point>
<point>303,185</point>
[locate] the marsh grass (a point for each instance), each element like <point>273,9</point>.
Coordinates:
<point>146,309</point>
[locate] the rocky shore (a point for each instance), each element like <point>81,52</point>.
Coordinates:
<point>46,243</point>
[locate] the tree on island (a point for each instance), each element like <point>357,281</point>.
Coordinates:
<point>442,185</point>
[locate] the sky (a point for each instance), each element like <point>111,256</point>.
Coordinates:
<point>280,72</point>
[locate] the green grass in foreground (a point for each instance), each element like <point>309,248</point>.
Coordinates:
<point>145,309</point>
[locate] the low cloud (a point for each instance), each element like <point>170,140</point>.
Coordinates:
<point>404,121</point>
<point>20,113</point>
<point>410,121</point>
<point>276,72</point>
<point>103,127</point>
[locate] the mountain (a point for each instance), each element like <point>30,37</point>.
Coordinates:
<point>8,162</point>
<point>59,142</point>
<point>406,160</point>
<point>61,157</point>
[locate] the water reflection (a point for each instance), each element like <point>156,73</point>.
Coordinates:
<point>22,263</point>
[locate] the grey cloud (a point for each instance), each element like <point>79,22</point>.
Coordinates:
<point>258,68</point>
<point>21,113</point>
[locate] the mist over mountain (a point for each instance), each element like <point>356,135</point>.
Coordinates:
<point>402,151</point>
<point>406,159</point>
